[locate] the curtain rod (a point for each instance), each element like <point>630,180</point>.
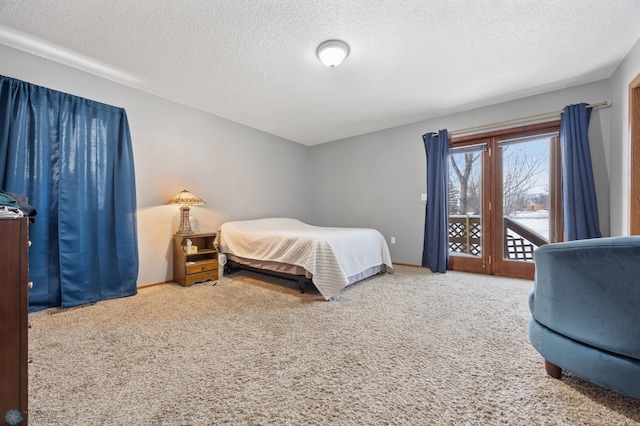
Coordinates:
<point>519,120</point>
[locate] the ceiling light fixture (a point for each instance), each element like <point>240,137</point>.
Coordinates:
<point>333,52</point>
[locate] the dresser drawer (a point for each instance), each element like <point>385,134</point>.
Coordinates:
<point>201,277</point>
<point>202,266</point>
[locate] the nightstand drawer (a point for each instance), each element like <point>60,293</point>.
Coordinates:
<point>201,277</point>
<point>202,266</point>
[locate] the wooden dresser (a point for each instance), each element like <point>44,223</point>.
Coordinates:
<point>14,307</point>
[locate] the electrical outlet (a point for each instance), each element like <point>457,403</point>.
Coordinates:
<point>393,240</point>
<point>423,196</point>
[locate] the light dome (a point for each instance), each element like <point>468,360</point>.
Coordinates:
<point>333,52</point>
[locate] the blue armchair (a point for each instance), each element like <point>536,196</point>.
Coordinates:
<point>585,311</point>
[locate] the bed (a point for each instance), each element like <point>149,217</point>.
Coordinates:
<point>331,258</point>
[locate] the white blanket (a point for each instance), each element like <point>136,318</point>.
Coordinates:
<point>330,255</point>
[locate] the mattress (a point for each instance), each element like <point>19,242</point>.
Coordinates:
<point>332,257</point>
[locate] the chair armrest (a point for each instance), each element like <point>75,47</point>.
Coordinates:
<point>589,291</point>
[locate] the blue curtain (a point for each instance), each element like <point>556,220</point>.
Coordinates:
<point>435,253</point>
<point>73,158</point>
<point>579,204</point>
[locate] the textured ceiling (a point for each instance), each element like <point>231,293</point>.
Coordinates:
<point>254,61</point>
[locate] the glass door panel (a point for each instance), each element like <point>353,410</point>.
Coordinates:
<point>466,208</point>
<point>526,214</point>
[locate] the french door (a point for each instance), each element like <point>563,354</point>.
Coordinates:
<point>504,199</point>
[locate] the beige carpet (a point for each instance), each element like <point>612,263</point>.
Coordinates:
<point>410,348</point>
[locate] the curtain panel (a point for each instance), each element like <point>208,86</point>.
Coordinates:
<point>435,253</point>
<point>579,204</point>
<point>72,157</point>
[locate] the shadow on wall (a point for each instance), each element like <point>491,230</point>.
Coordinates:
<point>156,227</point>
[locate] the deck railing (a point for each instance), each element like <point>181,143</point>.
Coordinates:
<point>465,236</point>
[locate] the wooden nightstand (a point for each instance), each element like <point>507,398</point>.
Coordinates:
<point>197,267</point>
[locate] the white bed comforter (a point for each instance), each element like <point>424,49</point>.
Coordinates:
<point>330,255</point>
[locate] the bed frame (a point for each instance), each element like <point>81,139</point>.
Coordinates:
<point>302,280</point>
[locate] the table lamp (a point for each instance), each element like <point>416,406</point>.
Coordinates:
<point>185,199</point>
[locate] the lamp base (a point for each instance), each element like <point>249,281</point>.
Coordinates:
<point>185,224</point>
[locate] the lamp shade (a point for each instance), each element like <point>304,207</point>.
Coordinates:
<point>185,198</point>
<point>333,52</point>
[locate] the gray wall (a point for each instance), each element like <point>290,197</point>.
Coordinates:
<point>239,171</point>
<point>376,180</point>
<point>372,180</point>
<point>620,148</point>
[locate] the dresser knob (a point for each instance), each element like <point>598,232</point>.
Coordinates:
<point>30,284</point>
